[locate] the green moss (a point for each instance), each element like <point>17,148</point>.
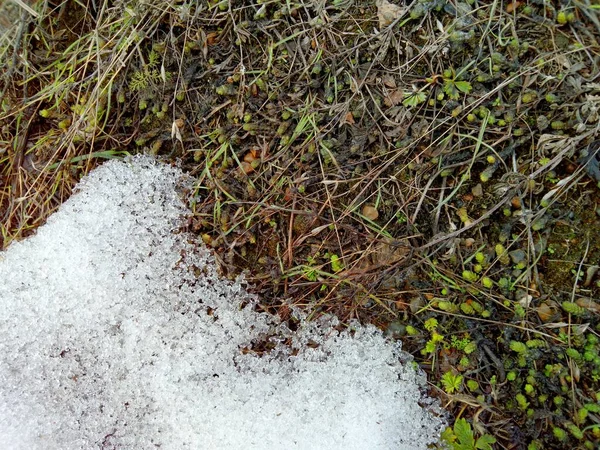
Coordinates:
<point>559,433</point>
<point>518,347</point>
<point>470,276</point>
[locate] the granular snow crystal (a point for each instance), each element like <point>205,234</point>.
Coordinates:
<point>116,332</point>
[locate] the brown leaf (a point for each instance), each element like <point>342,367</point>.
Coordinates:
<point>389,252</point>
<point>370,212</point>
<point>512,6</point>
<point>288,196</point>
<point>477,190</point>
<point>175,132</point>
<point>547,311</point>
<point>349,118</point>
<point>211,38</point>
<point>387,12</point>
<point>389,81</point>
<point>394,98</point>
<point>246,168</point>
<point>588,304</point>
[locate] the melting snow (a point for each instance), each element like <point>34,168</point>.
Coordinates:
<point>116,332</point>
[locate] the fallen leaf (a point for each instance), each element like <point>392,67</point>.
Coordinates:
<point>394,98</point>
<point>387,12</point>
<point>175,132</point>
<point>370,212</point>
<point>547,312</point>
<point>513,6</point>
<point>349,118</point>
<point>246,167</point>
<point>288,196</point>
<point>516,202</point>
<point>389,252</point>
<point>211,38</point>
<point>589,275</point>
<point>389,81</point>
<point>589,304</point>
<point>576,371</point>
<point>163,74</point>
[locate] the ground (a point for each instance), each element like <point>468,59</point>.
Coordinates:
<point>429,167</point>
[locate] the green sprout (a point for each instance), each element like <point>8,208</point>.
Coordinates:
<point>461,437</point>
<point>452,382</point>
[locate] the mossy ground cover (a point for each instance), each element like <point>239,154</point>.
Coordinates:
<point>429,167</point>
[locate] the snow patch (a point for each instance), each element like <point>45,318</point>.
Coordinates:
<point>116,332</point>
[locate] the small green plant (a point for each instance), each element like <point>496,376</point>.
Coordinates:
<point>470,276</point>
<point>414,98</point>
<point>502,254</point>
<point>460,343</point>
<point>411,331</point>
<point>149,75</point>
<point>452,382</point>
<point>518,347</point>
<point>461,437</point>
<point>522,401</point>
<point>431,345</point>
<point>310,273</point>
<point>464,344</point>
<point>452,84</point>
<point>472,385</point>
<point>336,263</point>
<point>487,282</point>
<point>401,217</point>
<point>448,306</point>
<point>573,308</point>
<point>431,324</point>
<point>453,87</point>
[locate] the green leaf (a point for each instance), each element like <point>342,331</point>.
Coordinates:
<point>452,382</point>
<point>153,59</point>
<point>464,433</point>
<point>415,99</point>
<point>483,443</point>
<point>450,90</point>
<point>448,435</point>
<point>310,274</point>
<point>472,385</point>
<point>463,86</point>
